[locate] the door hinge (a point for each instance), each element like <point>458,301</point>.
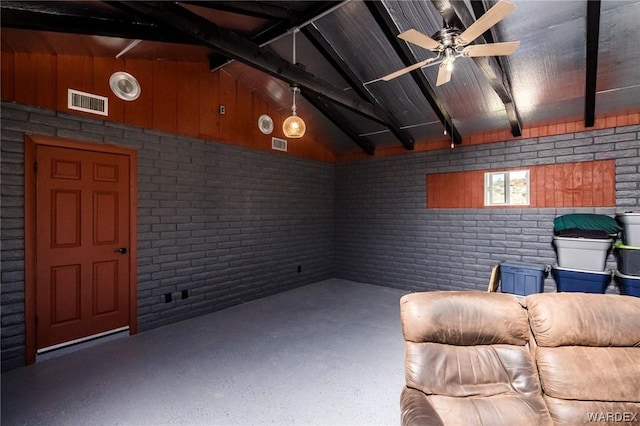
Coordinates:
<point>35,166</point>
<point>36,320</point>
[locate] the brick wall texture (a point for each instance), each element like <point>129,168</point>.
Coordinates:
<point>231,224</point>
<point>385,235</point>
<point>225,223</point>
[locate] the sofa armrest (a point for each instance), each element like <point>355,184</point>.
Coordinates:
<point>415,409</point>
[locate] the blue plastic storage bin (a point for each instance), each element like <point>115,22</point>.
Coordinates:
<point>629,285</point>
<point>522,278</point>
<point>578,280</point>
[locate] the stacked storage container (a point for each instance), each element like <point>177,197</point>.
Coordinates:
<point>628,254</point>
<point>583,242</point>
<point>521,278</point>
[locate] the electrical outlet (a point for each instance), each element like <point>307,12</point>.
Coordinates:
<point>185,294</point>
<point>222,110</point>
<point>168,297</point>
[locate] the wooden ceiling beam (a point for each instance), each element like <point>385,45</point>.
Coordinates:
<point>278,28</point>
<point>32,16</point>
<point>591,78</point>
<point>257,9</point>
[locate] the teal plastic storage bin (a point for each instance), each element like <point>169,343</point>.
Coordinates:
<point>522,278</point>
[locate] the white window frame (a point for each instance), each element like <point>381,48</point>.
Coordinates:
<point>488,201</point>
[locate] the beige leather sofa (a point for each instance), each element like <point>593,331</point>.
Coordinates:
<point>493,359</point>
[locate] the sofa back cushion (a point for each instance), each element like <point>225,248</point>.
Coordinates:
<point>467,344</point>
<point>463,318</point>
<point>588,353</point>
<point>584,319</point>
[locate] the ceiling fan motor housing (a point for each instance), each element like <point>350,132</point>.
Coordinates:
<point>447,37</point>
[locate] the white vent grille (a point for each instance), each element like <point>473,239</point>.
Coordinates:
<point>87,102</point>
<point>279,144</point>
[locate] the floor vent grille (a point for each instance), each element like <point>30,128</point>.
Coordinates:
<point>87,102</point>
<point>279,144</point>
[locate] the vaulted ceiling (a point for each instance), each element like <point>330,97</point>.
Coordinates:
<point>577,60</point>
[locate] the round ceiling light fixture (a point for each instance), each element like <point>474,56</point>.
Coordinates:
<point>265,124</point>
<point>124,85</point>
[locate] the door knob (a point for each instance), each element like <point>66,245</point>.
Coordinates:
<point>121,250</point>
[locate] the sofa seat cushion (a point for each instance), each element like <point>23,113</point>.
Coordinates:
<point>590,373</point>
<point>572,412</point>
<point>461,371</point>
<point>508,409</point>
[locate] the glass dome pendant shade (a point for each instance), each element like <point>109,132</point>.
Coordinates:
<point>293,126</point>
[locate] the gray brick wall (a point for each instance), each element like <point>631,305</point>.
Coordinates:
<point>230,224</point>
<point>385,235</point>
<point>226,223</point>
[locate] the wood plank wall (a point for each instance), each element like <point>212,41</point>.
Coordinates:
<point>492,137</point>
<point>176,97</point>
<point>585,184</point>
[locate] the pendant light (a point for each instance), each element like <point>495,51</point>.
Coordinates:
<point>293,126</point>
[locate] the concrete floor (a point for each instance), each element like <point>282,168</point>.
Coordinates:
<point>329,353</point>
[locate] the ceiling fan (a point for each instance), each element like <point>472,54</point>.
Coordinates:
<point>450,43</point>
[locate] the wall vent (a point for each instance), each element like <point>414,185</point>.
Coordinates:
<point>87,102</point>
<point>279,144</point>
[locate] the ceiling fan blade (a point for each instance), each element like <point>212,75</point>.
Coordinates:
<point>486,21</point>
<point>408,69</point>
<point>491,49</point>
<point>419,39</point>
<point>444,75</point>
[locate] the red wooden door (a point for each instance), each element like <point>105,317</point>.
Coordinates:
<point>82,223</point>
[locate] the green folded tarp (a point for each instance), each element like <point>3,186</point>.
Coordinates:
<point>587,221</point>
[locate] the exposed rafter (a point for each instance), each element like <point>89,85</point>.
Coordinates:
<point>238,48</point>
<point>329,53</point>
<point>256,9</point>
<point>113,24</point>
<point>390,29</point>
<point>593,35</point>
<point>277,30</point>
<point>456,14</point>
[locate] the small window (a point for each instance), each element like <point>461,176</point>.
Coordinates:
<point>506,188</point>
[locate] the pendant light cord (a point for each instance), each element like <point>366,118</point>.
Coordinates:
<point>295,30</point>
<point>294,88</point>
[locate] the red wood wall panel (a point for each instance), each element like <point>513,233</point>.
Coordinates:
<point>227,97</point>
<point>102,70</point>
<point>188,88</point>
<point>8,76</point>
<point>245,121</point>
<point>585,184</point>
<point>140,112</point>
<point>176,97</point>
<point>209,101</point>
<point>165,95</point>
